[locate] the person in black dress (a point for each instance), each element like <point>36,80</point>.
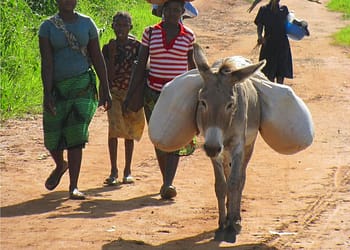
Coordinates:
<point>275,47</point>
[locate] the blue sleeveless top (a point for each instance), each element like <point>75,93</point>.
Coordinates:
<point>68,62</point>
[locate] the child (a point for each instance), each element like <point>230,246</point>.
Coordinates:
<point>120,55</point>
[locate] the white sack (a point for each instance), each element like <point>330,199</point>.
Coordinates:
<point>172,124</point>
<point>286,124</point>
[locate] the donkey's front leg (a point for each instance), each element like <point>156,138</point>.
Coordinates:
<point>234,195</point>
<point>220,191</point>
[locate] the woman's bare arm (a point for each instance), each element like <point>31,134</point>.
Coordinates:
<point>101,71</point>
<point>47,73</point>
<point>259,30</point>
<point>137,75</point>
<point>190,60</point>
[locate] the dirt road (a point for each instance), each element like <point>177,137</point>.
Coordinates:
<point>300,201</point>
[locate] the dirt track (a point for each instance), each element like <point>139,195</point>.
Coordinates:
<point>290,202</point>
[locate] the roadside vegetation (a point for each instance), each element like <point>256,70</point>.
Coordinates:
<point>21,89</point>
<point>342,37</point>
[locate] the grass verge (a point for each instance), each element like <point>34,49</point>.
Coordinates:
<point>20,76</point>
<point>342,37</point>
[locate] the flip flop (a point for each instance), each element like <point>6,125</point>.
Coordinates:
<point>76,195</point>
<point>128,180</point>
<point>111,181</point>
<point>168,192</point>
<point>53,180</point>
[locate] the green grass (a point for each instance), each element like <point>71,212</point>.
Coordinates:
<point>341,6</point>
<point>21,87</point>
<point>342,37</point>
<point>19,61</point>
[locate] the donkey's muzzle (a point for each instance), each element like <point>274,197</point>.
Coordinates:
<point>213,144</point>
<point>212,151</point>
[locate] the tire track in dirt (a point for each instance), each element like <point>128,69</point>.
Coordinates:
<point>324,205</point>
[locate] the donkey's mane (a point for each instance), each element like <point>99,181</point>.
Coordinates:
<point>226,67</point>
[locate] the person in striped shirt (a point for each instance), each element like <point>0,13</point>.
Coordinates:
<point>190,10</point>
<point>168,46</point>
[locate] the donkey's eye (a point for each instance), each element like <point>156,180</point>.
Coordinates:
<point>229,106</point>
<point>202,103</point>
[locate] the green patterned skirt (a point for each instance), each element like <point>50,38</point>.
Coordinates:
<point>151,97</point>
<point>76,102</point>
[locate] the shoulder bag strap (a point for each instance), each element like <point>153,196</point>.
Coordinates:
<point>72,40</point>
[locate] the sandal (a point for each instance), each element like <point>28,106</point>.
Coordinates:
<point>168,192</point>
<point>76,195</point>
<point>111,181</point>
<point>128,180</point>
<point>53,180</point>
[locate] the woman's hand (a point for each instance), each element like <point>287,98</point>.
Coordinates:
<point>49,104</point>
<point>105,100</point>
<point>261,40</point>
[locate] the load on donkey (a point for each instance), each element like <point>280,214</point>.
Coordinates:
<point>229,103</point>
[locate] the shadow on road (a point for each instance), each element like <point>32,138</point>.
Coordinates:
<point>89,208</point>
<point>202,241</point>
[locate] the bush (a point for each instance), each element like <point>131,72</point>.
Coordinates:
<point>42,7</point>
<point>20,62</point>
<point>20,76</point>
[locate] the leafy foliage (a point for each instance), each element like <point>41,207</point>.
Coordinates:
<point>42,7</point>
<point>18,57</point>
<point>20,76</point>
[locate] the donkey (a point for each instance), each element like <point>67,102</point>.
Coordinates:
<point>228,116</point>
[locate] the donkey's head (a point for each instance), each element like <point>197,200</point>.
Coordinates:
<point>218,99</point>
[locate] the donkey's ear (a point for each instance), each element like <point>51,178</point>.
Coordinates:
<point>244,73</point>
<point>200,58</point>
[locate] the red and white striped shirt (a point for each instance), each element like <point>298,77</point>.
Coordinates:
<point>167,60</point>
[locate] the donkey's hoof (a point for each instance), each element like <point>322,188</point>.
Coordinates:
<point>219,235</point>
<point>230,234</point>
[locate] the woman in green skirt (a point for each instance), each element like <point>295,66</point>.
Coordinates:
<point>69,46</point>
